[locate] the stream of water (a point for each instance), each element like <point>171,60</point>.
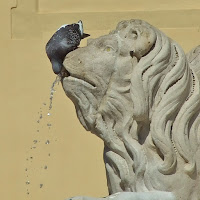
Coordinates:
<point>57,81</point>
<point>41,139</point>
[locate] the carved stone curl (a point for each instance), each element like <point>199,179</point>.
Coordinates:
<point>136,90</point>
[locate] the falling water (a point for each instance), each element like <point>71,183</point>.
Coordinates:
<point>43,119</point>
<point>57,80</point>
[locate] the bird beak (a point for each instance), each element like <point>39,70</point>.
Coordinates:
<point>85,35</point>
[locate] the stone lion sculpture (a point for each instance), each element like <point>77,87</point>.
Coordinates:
<point>136,90</point>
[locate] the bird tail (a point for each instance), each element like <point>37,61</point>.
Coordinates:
<point>85,35</point>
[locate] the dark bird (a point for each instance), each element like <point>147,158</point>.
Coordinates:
<point>66,39</point>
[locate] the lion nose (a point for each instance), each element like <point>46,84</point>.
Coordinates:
<point>73,58</point>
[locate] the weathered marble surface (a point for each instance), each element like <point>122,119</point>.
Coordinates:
<point>136,90</point>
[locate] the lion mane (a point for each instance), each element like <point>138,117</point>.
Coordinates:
<point>149,117</point>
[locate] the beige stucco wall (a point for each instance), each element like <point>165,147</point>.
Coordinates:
<point>75,165</point>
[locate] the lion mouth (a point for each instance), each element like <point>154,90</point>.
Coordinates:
<point>65,74</point>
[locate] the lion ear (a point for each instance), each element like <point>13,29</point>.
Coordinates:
<point>132,34</point>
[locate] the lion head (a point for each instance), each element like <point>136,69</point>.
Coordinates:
<point>135,90</point>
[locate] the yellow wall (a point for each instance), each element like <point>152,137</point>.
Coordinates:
<point>75,165</point>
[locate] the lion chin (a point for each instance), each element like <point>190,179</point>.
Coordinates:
<point>136,90</point>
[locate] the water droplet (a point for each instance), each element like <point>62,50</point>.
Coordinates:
<point>40,116</point>
<point>27,182</point>
<point>44,104</point>
<point>38,121</point>
<point>38,131</point>
<point>45,167</point>
<point>35,141</point>
<point>49,125</point>
<point>31,157</point>
<point>47,142</point>
<point>41,185</point>
<point>27,193</point>
<point>26,169</point>
<point>49,154</point>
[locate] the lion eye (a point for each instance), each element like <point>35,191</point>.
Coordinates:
<point>108,49</point>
